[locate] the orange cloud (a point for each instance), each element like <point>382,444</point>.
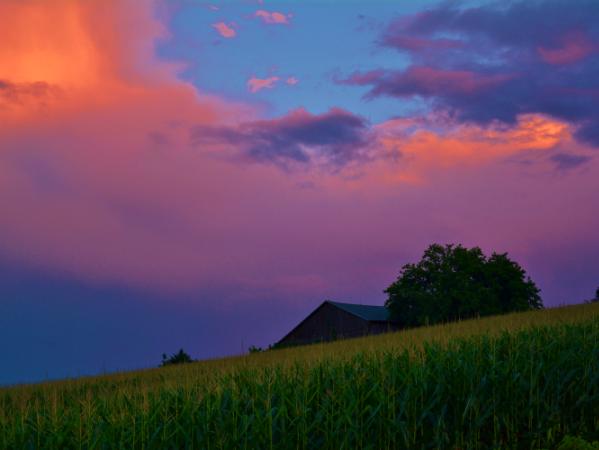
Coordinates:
<point>421,150</point>
<point>257,84</point>
<point>58,51</point>
<point>273,17</point>
<point>66,42</point>
<point>224,30</point>
<point>94,144</point>
<point>58,56</point>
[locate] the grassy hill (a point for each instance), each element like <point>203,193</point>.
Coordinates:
<point>516,381</point>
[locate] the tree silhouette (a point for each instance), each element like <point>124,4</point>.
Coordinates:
<point>176,358</point>
<point>452,282</point>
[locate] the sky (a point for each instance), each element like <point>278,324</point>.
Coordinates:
<point>182,173</point>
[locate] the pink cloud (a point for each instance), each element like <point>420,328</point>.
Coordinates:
<point>273,17</point>
<point>424,151</point>
<point>103,124</point>
<point>363,78</point>
<point>99,184</point>
<point>224,30</point>
<point>574,47</point>
<point>291,81</point>
<point>257,84</point>
<point>430,80</point>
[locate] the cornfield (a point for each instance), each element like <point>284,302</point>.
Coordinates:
<point>517,381</point>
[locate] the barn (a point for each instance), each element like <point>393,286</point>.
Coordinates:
<point>334,320</point>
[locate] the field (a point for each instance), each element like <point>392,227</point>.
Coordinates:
<point>515,381</point>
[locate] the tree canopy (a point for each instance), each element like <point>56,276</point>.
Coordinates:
<point>452,282</point>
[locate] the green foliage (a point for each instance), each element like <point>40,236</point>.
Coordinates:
<point>577,443</point>
<point>176,358</point>
<point>526,389</point>
<point>452,282</point>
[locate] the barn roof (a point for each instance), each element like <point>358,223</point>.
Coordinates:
<point>366,312</point>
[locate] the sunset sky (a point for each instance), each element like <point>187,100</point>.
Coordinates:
<point>182,173</point>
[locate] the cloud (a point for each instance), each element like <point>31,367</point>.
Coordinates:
<point>426,147</point>
<point>497,61</point>
<point>67,170</point>
<point>419,44</point>
<point>425,81</point>
<point>292,81</point>
<point>573,47</point>
<point>566,161</point>
<point>334,138</point>
<point>105,184</point>
<point>224,30</point>
<point>257,84</point>
<point>20,93</point>
<point>273,17</point>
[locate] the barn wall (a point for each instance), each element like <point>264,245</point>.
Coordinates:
<point>381,327</point>
<point>328,323</point>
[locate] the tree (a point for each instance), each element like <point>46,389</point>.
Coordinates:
<point>176,358</point>
<point>452,282</point>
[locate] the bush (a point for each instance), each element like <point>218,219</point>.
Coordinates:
<point>176,358</point>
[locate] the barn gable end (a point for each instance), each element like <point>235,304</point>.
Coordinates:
<point>334,320</point>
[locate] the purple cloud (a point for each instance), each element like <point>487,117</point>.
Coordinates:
<point>335,137</point>
<point>499,60</point>
<point>566,161</point>
<point>419,44</point>
<point>425,81</point>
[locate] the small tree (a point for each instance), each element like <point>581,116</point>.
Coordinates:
<point>452,282</point>
<point>176,358</point>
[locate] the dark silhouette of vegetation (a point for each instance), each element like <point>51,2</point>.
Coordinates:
<point>453,282</point>
<point>254,349</point>
<point>577,443</point>
<point>594,299</point>
<point>176,358</point>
